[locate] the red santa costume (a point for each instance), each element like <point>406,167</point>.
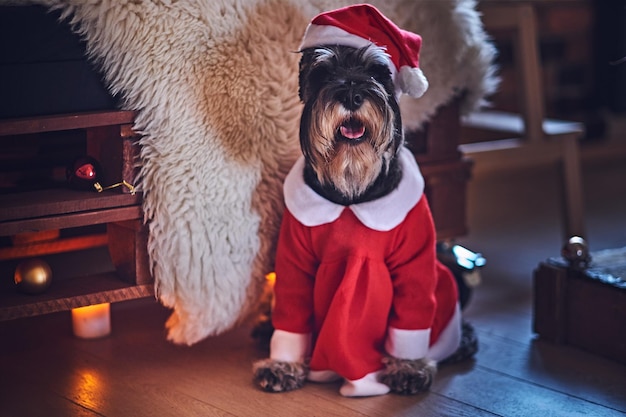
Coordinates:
<point>355,283</point>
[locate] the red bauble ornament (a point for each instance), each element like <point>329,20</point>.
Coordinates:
<point>83,173</point>
<point>86,172</point>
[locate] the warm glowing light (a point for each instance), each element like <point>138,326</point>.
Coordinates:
<point>89,388</point>
<point>92,321</point>
<point>271,278</point>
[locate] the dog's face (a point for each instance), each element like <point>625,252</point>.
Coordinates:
<point>350,129</point>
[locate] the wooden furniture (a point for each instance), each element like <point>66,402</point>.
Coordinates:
<point>108,137</point>
<point>526,139</point>
<point>584,308</point>
<point>446,171</point>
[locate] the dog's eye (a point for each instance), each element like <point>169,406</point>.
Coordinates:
<point>319,75</point>
<point>380,73</point>
<point>316,80</point>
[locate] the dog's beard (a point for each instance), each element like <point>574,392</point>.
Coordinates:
<point>349,149</point>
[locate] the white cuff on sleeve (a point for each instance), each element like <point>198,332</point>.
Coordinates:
<point>407,344</point>
<point>290,347</point>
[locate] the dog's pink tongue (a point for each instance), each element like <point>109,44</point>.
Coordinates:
<point>352,131</point>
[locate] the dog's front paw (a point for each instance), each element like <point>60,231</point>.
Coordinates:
<point>276,376</point>
<point>407,377</point>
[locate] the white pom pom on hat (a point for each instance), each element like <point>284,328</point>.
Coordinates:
<point>362,25</point>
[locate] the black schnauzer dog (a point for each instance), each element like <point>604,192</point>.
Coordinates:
<point>359,295</point>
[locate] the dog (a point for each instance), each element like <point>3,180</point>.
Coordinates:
<point>359,295</point>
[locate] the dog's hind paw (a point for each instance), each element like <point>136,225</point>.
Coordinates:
<point>276,376</point>
<point>467,348</point>
<point>408,377</point>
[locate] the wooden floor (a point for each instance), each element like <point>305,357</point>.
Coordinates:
<point>514,219</point>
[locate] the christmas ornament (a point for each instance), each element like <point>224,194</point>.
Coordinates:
<point>576,252</point>
<point>83,173</point>
<point>33,276</point>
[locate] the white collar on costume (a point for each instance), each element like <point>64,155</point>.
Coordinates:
<point>383,214</point>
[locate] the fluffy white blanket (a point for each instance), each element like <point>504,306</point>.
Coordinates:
<point>215,86</point>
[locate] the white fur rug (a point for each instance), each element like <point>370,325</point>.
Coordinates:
<point>215,86</point>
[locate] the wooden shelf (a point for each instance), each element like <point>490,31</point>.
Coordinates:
<point>64,208</point>
<point>58,122</point>
<point>60,201</point>
<point>74,220</point>
<point>53,246</point>
<point>68,294</point>
<point>109,138</point>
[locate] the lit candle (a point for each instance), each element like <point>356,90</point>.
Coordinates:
<point>92,321</point>
<point>271,279</point>
<point>268,293</point>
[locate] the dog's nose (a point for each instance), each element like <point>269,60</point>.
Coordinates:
<point>353,99</point>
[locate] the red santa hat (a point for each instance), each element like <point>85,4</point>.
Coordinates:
<point>361,25</point>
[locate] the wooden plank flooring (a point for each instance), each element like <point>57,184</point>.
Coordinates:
<point>514,220</point>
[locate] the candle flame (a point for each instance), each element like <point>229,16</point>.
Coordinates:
<point>271,278</point>
<point>91,310</point>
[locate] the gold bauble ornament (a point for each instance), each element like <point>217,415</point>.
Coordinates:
<point>33,276</point>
